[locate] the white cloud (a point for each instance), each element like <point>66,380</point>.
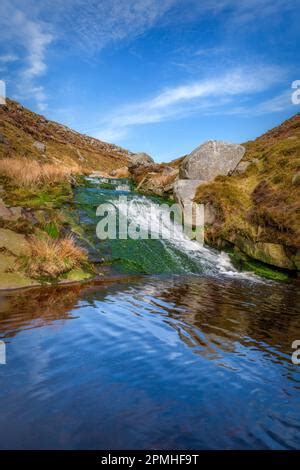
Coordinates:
<point>6,58</point>
<point>206,95</point>
<point>19,31</point>
<point>88,26</point>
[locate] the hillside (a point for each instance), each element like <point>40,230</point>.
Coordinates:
<point>258,207</point>
<point>27,134</point>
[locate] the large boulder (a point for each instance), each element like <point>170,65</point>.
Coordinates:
<point>140,159</point>
<point>184,193</point>
<point>211,159</point>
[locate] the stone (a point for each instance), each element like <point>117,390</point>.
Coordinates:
<point>269,253</point>
<point>7,262</point>
<point>140,159</point>
<point>16,213</point>
<point>13,242</point>
<point>184,193</point>
<point>211,159</point>
<point>5,213</point>
<point>3,140</point>
<point>39,146</point>
<point>15,281</point>
<point>241,168</point>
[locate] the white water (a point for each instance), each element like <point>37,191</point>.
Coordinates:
<point>154,220</point>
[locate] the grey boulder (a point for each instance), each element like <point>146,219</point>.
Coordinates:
<point>140,159</point>
<point>184,193</point>
<point>211,159</point>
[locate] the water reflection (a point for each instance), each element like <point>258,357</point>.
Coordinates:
<point>182,362</point>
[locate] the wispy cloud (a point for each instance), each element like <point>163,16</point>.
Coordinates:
<point>7,58</point>
<point>88,26</point>
<point>32,37</point>
<point>206,95</point>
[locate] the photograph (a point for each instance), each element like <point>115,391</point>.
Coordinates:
<point>150,232</point>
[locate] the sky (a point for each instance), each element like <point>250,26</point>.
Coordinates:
<point>158,76</point>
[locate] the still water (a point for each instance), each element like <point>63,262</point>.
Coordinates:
<point>188,361</point>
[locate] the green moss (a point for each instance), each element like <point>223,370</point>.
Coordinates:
<point>76,275</point>
<point>244,263</point>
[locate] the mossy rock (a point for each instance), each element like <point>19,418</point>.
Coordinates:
<point>244,263</point>
<point>15,280</point>
<point>13,242</point>
<point>77,275</point>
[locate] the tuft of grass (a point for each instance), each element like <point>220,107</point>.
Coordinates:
<point>53,257</point>
<point>30,173</point>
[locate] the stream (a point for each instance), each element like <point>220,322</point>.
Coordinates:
<point>175,349</point>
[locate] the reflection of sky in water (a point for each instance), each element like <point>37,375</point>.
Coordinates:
<point>165,363</point>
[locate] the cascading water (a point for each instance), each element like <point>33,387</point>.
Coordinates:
<point>171,252</point>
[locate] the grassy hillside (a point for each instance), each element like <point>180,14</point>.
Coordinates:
<point>40,161</point>
<point>261,206</point>
<point>26,134</point>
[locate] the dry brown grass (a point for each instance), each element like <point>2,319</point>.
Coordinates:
<point>52,258</point>
<point>28,173</point>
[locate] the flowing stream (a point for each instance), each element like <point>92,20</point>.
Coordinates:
<point>192,355</point>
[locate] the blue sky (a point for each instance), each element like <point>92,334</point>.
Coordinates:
<point>159,76</point>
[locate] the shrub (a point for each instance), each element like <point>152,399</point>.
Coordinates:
<point>51,258</point>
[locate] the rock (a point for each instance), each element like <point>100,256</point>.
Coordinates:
<point>15,281</point>
<point>184,193</point>
<point>140,159</point>
<point>7,262</point>
<point>39,146</point>
<point>5,213</point>
<point>211,159</point>
<point>3,140</point>
<point>16,213</point>
<point>241,168</point>
<point>13,242</point>
<point>269,253</point>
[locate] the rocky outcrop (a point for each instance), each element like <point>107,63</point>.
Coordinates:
<point>257,205</point>
<point>140,159</point>
<point>211,159</point>
<point>14,243</point>
<point>273,254</point>
<point>184,194</point>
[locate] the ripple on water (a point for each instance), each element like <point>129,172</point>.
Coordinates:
<point>181,362</point>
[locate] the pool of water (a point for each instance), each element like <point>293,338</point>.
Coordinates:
<point>181,362</point>
<point>196,360</point>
